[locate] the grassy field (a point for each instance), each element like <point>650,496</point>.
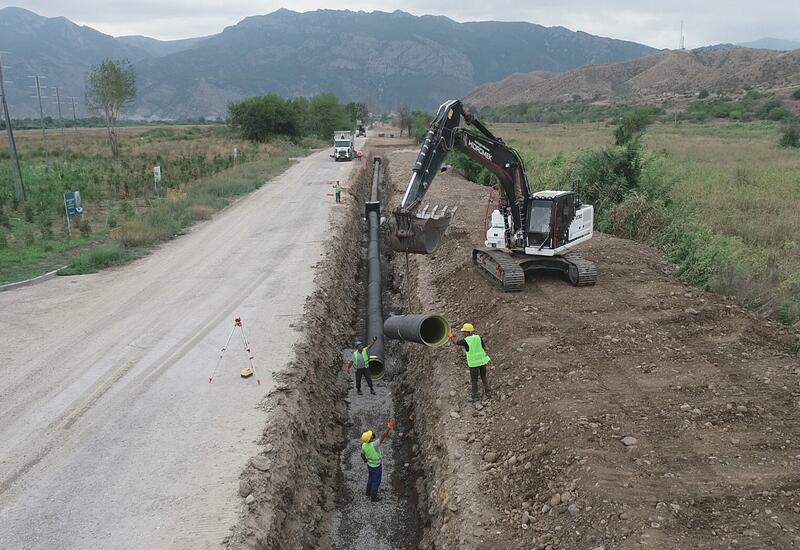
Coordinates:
<point>727,196</point>
<point>124,212</point>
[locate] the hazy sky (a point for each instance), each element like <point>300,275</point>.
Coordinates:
<point>653,23</point>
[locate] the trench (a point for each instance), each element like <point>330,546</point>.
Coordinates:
<point>393,523</point>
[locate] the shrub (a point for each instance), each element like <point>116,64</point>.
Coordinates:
<point>27,212</point>
<point>97,259</point>
<point>46,227</point>
<point>703,94</point>
<point>85,228</point>
<point>5,221</point>
<point>790,135</point>
<point>3,240</point>
<point>27,236</point>
<point>631,125</point>
<point>796,94</point>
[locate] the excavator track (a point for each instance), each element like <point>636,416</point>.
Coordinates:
<point>500,268</point>
<point>580,271</point>
<point>507,270</point>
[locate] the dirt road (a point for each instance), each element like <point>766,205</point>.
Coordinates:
<point>112,435</point>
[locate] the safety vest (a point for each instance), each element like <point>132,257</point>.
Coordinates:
<point>373,455</point>
<point>476,355</point>
<point>364,356</point>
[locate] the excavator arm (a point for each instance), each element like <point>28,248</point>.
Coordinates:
<point>422,232</point>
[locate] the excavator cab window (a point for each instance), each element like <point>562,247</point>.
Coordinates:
<point>539,217</point>
<point>564,215</point>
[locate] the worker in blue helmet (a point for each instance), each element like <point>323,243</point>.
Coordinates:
<point>361,364</point>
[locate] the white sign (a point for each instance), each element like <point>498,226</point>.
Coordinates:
<point>157,174</point>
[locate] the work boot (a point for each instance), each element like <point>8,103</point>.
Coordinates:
<point>375,497</point>
<point>359,392</point>
<point>372,391</point>
<point>474,398</point>
<point>368,491</point>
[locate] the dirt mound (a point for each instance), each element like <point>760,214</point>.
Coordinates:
<point>636,412</point>
<point>662,75</point>
<point>293,480</point>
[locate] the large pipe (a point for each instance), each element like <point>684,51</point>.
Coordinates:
<point>374,291</point>
<point>430,330</point>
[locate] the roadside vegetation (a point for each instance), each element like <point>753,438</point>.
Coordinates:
<point>125,212</point>
<point>719,200</point>
<point>268,117</point>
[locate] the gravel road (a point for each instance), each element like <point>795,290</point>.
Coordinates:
<point>112,435</point>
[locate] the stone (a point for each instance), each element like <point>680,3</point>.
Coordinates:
<point>555,500</point>
<point>490,457</point>
<point>573,509</point>
<point>686,407</point>
<point>624,515</point>
<point>454,414</point>
<point>526,518</point>
<point>244,488</point>
<point>478,406</point>
<point>546,508</point>
<point>692,311</point>
<point>512,460</point>
<point>250,499</point>
<point>452,507</point>
<point>629,441</point>
<point>452,393</point>
<point>566,496</point>
<point>260,463</point>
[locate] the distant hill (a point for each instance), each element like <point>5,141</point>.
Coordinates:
<point>772,44</point>
<point>158,48</point>
<point>386,59</point>
<point>671,73</point>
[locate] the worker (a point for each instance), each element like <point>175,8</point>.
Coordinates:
<point>477,358</point>
<point>338,190</point>
<point>361,364</point>
<point>371,454</point>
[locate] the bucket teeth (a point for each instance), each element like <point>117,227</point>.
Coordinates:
<point>422,232</point>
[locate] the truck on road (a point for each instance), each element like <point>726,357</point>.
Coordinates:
<point>343,145</point>
<point>361,131</point>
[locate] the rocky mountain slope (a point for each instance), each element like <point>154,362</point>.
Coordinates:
<point>386,59</point>
<point>662,75</point>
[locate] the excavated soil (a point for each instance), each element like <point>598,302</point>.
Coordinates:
<point>636,413</point>
<point>288,490</point>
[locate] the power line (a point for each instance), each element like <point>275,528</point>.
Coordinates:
<point>61,122</point>
<point>37,79</point>
<point>19,188</point>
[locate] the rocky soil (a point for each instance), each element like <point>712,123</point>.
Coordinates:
<point>636,413</point>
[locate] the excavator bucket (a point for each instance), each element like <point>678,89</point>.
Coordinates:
<point>420,232</point>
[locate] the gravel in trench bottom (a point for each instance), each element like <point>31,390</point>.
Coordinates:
<point>359,523</point>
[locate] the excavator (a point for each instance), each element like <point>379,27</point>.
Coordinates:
<point>530,232</point>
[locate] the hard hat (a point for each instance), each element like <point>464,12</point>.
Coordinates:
<point>357,343</point>
<point>467,328</point>
<point>366,437</point>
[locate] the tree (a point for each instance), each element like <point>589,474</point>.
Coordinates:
<point>406,120</point>
<point>632,124</point>
<point>110,88</point>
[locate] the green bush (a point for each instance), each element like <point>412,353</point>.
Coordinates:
<point>27,212</point>
<point>703,94</point>
<point>796,94</point>
<point>632,124</point>
<point>790,135</point>
<point>85,228</point>
<point>3,240</point>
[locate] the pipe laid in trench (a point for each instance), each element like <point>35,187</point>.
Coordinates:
<point>431,330</point>
<point>374,290</point>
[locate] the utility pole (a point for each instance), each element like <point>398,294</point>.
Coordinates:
<point>74,117</point>
<point>37,79</point>
<point>682,42</point>
<point>61,122</point>
<point>19,189</point>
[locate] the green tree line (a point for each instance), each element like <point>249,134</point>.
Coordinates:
<point>265,117</point>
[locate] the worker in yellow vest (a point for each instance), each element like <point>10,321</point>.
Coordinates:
<point>371,454</point>
<point>477,358</point>
<point>361,364</point>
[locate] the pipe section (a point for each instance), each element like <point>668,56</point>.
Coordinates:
<point>374,290</point>
<point>430,330</point>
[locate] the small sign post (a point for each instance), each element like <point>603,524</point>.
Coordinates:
<point>72,206</point>
<point>235,155</point>
<point>156,177</point>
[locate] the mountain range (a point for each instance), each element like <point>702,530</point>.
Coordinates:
<point>664,75</point>
<point>385,59</point>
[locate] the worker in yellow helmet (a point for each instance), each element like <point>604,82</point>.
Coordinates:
<point>477,358</point>
<point>371,454</point>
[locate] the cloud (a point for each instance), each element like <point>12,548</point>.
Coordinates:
<point>653,23</point>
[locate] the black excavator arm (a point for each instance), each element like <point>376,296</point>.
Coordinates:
<point>419,234</point>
